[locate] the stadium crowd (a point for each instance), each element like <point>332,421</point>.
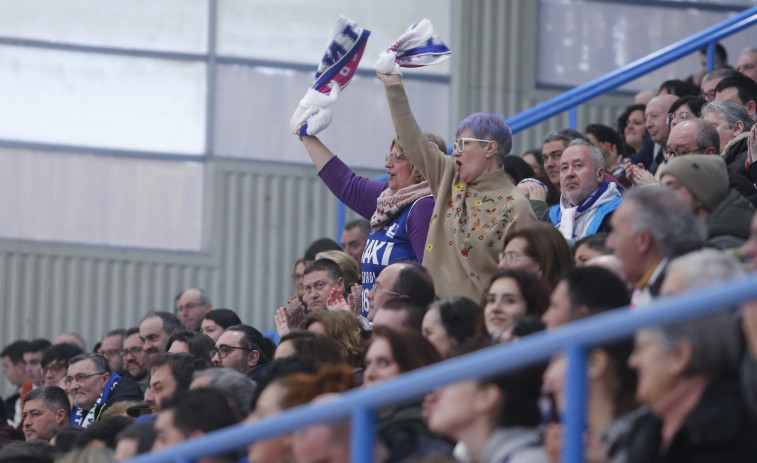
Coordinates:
<point>457,253</point>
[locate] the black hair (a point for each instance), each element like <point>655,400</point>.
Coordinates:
<point>60,352</point>
<point>199,344</point>
<point>320,245</point>
<point>104,430</point>
<point>459,317</point>
<point>720,52</point>
<point>280,368</point>
<point>202,409</point>
<point>595,287</point>
<point>316,347</point>
<point>15,351</point>
<point>746,87</point>
<point>223,317</point>
<point>143,432</point>
<point>54,398</point>
<point>171,322</point>
<point>680,88</point>
<point>517,168</point>
<point>37,345</point>
<point>254,340</point>
<point>327,265</point>
<point>415,283</point>
<point>605,134</point>
<point>415,312</point>
<point>694,102</point>
<point>182,366</point>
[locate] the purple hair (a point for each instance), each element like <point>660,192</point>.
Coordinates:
<point>489,126</point>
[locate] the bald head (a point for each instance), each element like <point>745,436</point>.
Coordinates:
<point>656,114</point>
<point>693,136</point>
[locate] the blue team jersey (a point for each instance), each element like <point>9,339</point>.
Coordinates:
<point>386,246</point>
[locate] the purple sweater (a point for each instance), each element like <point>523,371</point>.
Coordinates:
<point>360,195</point>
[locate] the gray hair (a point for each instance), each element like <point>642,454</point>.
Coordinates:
<point>171,322</point>
<point>673,226</point>
<point>100,362</point>
<point>596,154</point>
<point>748,50</point>
<point>234,385</point>
<point>715,343</point>
<point>564,135</point>
<point>362,224</point>
<point>53,397</point>
<point>706,267</point>
<point>731,112</point>
<point>707,135</point>
<point>721,72</point>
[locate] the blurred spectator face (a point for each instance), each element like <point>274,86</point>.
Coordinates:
<point>284,349</point>
<point>379,362</point>
<point>622,243</point>
<point>634,131</point>
<point>133,355</point>
<point>54,372</point>
<point>166,433</point>
<point>87,383</point>
<point>394,319</point>
<point>297,276</point>
<point>655,368</point>
<point>558,311</point>
<point>318,286</point>
<point>190,309</point>
<point>725,133</point>
<point>162,386</point>
<point>550,154</point>
<point>277,448</point>
<point>15,372</point>
<point>382,289</point>
<point>213,329</point>
<point>33,362</point>
<point>708,88</point>
<point>579,178</point>
<point>458,406</point>
<point>534,163</point>
<point>353,243</point>
<point>515,256</point>
<point>40,422</point>
<point>584,254</point>
<point>111,349</point>
<point>505,306</point>
<point>433,329</point>
<point>747,65</point>
<point>655,117</point>
<point>154,337</point>
<point>554,379</point>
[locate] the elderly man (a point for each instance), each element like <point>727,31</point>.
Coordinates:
<point>651,226</point>
<point>244,349</point>
<point>355,237</point>
<point>95,387</point>
<point>191,306</point>
<point>555,143</point>
<point>587,200</point>
<point>702,181</point>
<point>46,409</point>
<point>732,122</point>
<point>740,89</point>
<point>747,63</point>
<point>171,374</point>
<point>407,280</point>
<point>656,123</point>
<point>155,329</point>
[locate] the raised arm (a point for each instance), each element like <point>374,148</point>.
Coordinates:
<point>318,152</point>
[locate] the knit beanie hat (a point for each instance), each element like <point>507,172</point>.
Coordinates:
<point>704,175</point>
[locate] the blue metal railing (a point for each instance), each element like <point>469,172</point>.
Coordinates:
<point>575,338</point>
<point>631,71</point>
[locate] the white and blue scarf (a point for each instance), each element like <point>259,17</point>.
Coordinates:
<point>77,414</point>
<point>417,47</point>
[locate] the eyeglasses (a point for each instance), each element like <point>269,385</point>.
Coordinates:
<point>223,350</point>
<point>681,116</point>
<point>459,144</point>
<point>54,368</point>
<point>80,378</point>
<point>134,351</point>
<point>112,353</point>
<point>399,157</point>
<point>189,306</point>
<point>709,95</point>
<point>376,288</point>
<point>668,154</point>
<point>511,257</point>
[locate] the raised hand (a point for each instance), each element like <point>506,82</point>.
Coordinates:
<point>336,301</point>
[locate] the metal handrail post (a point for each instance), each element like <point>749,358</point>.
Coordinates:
<point>574,421</point>
<point>363,428</point>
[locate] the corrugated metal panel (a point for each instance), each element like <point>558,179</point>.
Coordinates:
<point>263,217</point>
<point>496,49</point>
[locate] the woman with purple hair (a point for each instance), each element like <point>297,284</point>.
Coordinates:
<point>475,202</point>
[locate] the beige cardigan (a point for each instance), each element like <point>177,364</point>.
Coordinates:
<point>470,221</point>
